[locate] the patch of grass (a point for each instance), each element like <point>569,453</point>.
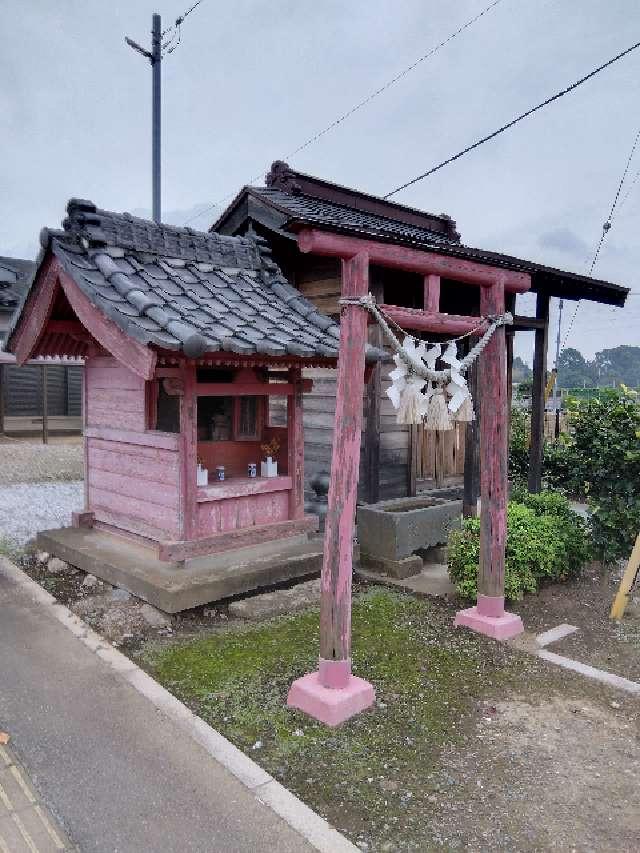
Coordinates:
<point>374,774</point>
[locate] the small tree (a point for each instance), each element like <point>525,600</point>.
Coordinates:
<point>606,454</point>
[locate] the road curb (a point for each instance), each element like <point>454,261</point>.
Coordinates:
<point>310,825</point>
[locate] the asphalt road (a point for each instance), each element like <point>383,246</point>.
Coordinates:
<point>115,773</point>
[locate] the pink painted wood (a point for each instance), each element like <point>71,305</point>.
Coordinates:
<point>432,293</point>
<point>189,453</point>
<point>413,260</point>
<point>295,432</point>
<point>240,487</point>
<point>162,440</point>
<point>137,357</point>
<point>247,389</point>
<point>30,330</point>
<point>492,373</point>
<point>243,511</point>
<point>239,538</point>
<point>415,318</point>
<point>335,601</point>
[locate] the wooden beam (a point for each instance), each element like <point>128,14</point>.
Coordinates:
<point>45,404</point>
<point>335,601</point>
<point>161,440</point>
<point>626,584</point>
<point>241,538</point>
<point>250,389</point>
<point>188,489</point>
<point>536,448</point>
<point>432,293</point>
<point>493,451</point>
<point>413,260</point>
<point>36,312</point>
<point>295,441</point>
<point>526,324</point>
<point>373,395</point>
<point>423,321</point>
<point>133,355</point>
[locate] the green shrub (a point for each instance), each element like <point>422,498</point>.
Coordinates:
<point>559,465</point>
<point>546,541</point>
<point>519,447</point>
<point>606,454</point>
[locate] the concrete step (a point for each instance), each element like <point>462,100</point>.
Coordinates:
<point>173,587</point>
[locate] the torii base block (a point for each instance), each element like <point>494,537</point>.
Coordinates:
<point>490,618</point>
<point>332,694</point>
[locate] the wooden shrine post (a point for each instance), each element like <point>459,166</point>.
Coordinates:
<point>536,450</point>
<point>489,616</point>
<point>333,694</point>
<point>295,438</point>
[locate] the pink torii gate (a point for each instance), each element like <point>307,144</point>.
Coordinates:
<point>332,694</point>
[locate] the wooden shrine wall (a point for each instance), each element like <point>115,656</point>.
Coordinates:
<point>132,475</point>
<point>318,279</point>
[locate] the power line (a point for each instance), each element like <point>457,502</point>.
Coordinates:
<point>172,43</point>
<point>605,230</point>
<point>513,122</point>
<point>354,109</point>
<point>608,222</point>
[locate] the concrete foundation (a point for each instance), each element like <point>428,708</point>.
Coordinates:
<point>172,587</point>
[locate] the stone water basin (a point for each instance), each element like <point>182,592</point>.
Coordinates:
<point>391,532</point>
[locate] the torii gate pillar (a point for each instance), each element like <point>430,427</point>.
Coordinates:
<point>489,616</point>
<point>332,694</point>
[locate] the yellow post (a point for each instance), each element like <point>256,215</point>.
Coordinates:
<point>628,579</point>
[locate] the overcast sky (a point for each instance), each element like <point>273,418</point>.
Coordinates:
<point>253,80</point>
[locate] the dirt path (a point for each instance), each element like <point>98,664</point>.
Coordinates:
<point>546,773</point>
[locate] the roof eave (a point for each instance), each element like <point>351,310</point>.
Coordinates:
<point>609,292</point>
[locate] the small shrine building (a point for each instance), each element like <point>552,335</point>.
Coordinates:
<point>186,338</point>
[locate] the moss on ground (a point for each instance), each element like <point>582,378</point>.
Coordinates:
<point>374,774</point>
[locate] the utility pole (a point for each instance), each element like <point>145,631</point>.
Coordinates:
<point>155,58</point>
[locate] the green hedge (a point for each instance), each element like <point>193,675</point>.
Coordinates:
<point>546,541</point>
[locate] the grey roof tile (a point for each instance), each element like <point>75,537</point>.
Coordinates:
<point>181,289</point>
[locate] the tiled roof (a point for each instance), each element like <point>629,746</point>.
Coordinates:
<point>14,278</point>
<point>296,210</point>
<point>180,289</point>
<point>329,214</point>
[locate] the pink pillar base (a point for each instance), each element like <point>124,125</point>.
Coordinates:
<point>490,618</point>
<point>331,695</point>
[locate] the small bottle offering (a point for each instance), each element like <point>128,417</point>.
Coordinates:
<point>252,469</point>
<point>220,472</point>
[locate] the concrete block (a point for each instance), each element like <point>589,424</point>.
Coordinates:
<point>404,568</point>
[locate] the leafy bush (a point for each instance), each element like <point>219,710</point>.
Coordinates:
<point>605,448</point>
<point>559,465</point>
<point>519,447</point>
<point>546,540</point>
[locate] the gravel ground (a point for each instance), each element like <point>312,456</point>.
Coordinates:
<point>26,508</point>
<point>24,462</point>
